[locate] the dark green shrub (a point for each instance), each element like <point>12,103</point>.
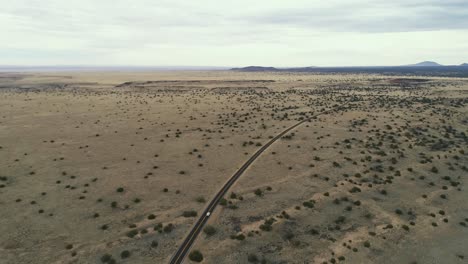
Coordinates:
<point>209,230</point>
<point>168,228</point>
<point>132,233</point>
<point>200,199</point>
<point>196,256</point>
<point>154,244</point>
<point>106,258</point>
<point>189,213</point>
<point>252,258</point>
<point>151,216</point>
<point>223,202</point>
<point>125,254</point>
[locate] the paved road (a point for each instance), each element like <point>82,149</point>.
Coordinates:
<point>198,227</point>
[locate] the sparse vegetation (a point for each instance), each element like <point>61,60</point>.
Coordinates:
<point>376,160</point>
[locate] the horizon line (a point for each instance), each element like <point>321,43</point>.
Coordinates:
<point>195,67</point>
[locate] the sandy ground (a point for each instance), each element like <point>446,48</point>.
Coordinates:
<point>101,163</point>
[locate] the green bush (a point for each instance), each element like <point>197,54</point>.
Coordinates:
<point>132,233</point>
<point>223,202</point>
<point>106,258</point>
<point>151,216</point>
<point>308,204</point>
<point>209,230</point>
<point>252,258</point>
<point>238,237</point>
<point>125,254</point>
<point>154,244</point>
<point>200,199</point>
<point>168,228</point>
<point>196,256</point>
<point>189,213</point>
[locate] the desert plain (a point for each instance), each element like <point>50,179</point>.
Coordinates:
<point>115,167</point>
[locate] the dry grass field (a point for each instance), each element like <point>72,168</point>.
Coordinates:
<point>115,167</point>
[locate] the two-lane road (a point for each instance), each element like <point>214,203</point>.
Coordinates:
<point>197,228</point>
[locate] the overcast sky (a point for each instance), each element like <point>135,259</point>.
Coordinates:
<point>233,33</point>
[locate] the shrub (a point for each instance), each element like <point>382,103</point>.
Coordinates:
<point>200,199</point>
<point>367,244</point>
<point>154,244</point>
<point>258,192</point>
<point>125,254</point>
<point>238,237</point>
<point>308,204</point>
<point>106,258</point>
<point>252,258</point>
<point>151,216</point>
<point>223,202</point>
<point>267,225</point>
<point>313,232</point>
<point>132,233</point>
<point>196,256</point>
<point>209,230</point>
<point>120,189</point>
<point>168,228</point>
<point>189,213</point>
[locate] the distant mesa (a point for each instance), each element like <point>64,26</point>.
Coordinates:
<point>270,69</point>
<point>426,64</point>
<point>255,69</point>
<point>464,64</point>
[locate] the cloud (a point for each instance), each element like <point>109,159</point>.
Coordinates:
<point>372,16</point>
<point>209,32</point>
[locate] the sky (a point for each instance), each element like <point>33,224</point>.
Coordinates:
<point>279,33</point>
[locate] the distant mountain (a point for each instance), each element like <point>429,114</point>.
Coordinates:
<point>255,69</point>
<point>425,64</point>
<point>464,64</point>
<point>264,69</point>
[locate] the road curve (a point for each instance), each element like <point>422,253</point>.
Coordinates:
<point>184,248</point>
